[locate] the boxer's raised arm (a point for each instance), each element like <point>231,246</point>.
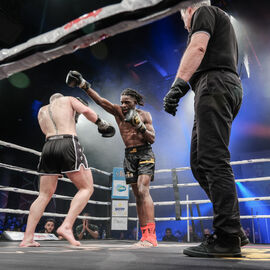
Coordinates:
<point>75,79</point>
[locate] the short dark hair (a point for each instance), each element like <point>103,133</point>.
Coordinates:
<point>133,93</point>
<point>50,220</point>
<point>168,229</point>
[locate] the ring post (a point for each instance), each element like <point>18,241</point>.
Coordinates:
<point>188,235</point>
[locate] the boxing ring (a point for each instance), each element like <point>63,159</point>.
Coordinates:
<point>121,254</point>
<point>107,253</point>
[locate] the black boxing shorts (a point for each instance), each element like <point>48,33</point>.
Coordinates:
<point>139,160</point>
<point>61,154</point>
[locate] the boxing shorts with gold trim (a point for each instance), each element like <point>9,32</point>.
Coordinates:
<point>139,160</point>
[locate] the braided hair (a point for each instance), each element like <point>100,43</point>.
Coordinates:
<point>131,92</point>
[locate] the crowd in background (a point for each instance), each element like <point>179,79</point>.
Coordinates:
<point>11,224</point>
<point>86,230</point>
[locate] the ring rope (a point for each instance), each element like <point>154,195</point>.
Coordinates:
<point>21,212</point>
<point>267,178</point>
<point>56,196</point>
<point>15,146</point>
<point>248,161</point>
<point>18,147</point>
<point>18,211</point>
<point>157,171</point>
<point>19,169</point>
<point>205,201</point>
<point>199,218</point>
<point>11,167</point>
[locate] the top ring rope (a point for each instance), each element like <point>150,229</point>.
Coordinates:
<point>15,146</point>
<point>19,169</point>
<point>181,169</point>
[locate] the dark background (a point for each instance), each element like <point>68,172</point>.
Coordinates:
<point>113,65</point>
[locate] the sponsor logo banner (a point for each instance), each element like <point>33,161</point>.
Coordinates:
<point>120,190</point>
<point>119,223</point>
<point>120,208</point>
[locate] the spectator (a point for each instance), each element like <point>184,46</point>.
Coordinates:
<point>248,233</point>
<point>169,236</point>
<point>178,235</point>
<point>49,226</point>
<point>122,235</point>
<point>1,228</point>
<point>133,235</point>
<point>12,224</point>
<point>206,233</point>
<point>23,227</point>
<point>86,230</point>
<point>193,237</point>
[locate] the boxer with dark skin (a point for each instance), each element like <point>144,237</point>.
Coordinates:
<point>138,134</point>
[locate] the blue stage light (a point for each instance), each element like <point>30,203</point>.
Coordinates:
<point>35,108</point>
<point>256,208</point>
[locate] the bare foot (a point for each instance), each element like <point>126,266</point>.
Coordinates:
<point>68,234</point>
<point>148,244</point>
<point>145,244</point>
<point>138,244</point>
<point>29,244</point>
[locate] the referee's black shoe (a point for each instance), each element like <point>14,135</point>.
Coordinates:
<point>224,245</point>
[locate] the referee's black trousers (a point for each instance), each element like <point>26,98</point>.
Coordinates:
<point>218,97</point>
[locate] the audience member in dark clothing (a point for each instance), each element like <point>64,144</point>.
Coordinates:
<point>169,236</point>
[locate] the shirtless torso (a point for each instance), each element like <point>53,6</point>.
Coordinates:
<point>58,117</point>
<point>130,135</point>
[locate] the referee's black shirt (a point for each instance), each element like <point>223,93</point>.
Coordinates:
<point>222,49</point>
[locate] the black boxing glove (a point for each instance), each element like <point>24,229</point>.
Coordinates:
<point>104,128</point>
<point>178,89</point>
<point>75,79</point>
<point>134,119</point>
<point>78,114</point>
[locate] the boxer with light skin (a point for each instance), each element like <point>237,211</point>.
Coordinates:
<point>62,153</point>
<point>137,132</point>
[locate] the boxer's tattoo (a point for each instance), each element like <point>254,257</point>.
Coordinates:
<point>51,116</point>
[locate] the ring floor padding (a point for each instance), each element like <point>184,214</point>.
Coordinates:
<point>120,254</point>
